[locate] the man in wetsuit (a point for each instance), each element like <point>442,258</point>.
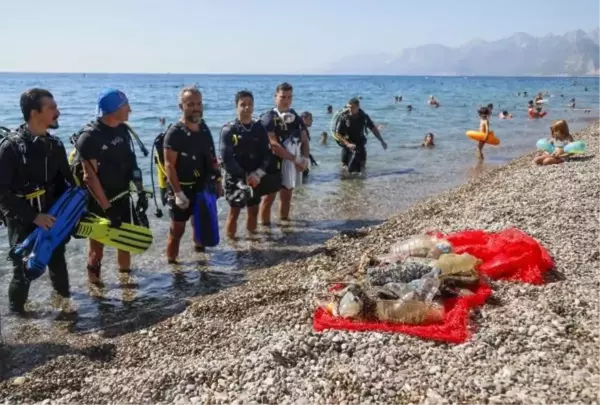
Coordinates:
<point>190,165</point>
<point>350,133</point>
<point>32,160</point>
<point>283,126</point>
<point>246,154</point>
<point>109,166</point>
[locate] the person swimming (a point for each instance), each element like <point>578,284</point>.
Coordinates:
<point>505,115</point>
<point>572,103</point>
<point>433,102</point>
<point>428,141</point>
<point>539,98</point>
<point>323,140</point>
<point>409,108</point>
<point>329,109</point>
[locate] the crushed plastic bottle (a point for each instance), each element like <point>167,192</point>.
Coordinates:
<point>420,246</point>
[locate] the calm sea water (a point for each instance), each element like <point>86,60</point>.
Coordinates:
<point>325,205</point>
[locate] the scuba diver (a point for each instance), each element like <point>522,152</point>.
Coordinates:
<point>106,163</point>
<point>193,173</point>
<point>35,173</point>
<point>245,156</point>
<point>350,131</point>
<point>286,132</point>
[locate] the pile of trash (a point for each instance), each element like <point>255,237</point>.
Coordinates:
<point>408,285</point>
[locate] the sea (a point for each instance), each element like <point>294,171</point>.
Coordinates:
<point>330,201</point>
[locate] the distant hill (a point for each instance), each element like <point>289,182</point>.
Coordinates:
<point>574,53</point>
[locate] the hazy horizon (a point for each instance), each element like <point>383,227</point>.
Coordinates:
<point>263,37</point>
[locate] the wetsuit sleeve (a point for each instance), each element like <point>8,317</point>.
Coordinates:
<point>213,162</point>
<point>368,122</point>
<point>341,127</point>
<point>88,147</point>
<point>231,165</point>
<point>65,173</point>
<point>267,122</point>
<point>174,139</point>
<point>265,149</point>
<point>11,206</point>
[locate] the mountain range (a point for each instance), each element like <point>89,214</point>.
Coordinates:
<point>575,53</point>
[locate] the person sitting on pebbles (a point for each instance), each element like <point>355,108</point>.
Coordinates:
<point>559,137</point>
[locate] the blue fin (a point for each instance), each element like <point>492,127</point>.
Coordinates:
<point>37,249</point>
<point>206,220</point>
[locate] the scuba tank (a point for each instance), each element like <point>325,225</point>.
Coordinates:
<point>334,123</point>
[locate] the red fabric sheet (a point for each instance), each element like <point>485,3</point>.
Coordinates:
<point>454,328</point>
<point>508,255</point>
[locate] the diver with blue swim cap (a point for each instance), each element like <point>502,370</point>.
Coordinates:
<point>35,173</point>
<point>106,163</point>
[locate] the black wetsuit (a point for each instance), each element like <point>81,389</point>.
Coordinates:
<point>112,148</point>
<point>28,163</point>
<point>353,128</point>
<point>244,149</point>
<point>196,166</point>
<point>272,122</point>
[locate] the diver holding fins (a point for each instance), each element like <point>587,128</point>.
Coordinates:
<point>35,174</point>
<point>106,163</point>
<point>193,176</point>
<point>246,154</point>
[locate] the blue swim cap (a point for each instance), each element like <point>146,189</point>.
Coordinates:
<point>111,100</point>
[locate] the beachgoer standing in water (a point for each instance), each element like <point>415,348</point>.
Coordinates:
<point>350,133</point>
<point>484,127</point>
<point>284,127</point>
<point>307,119</point>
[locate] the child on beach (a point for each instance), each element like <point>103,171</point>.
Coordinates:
<point>428,141</point>
<point>484,127</point>
<point>559,137</point>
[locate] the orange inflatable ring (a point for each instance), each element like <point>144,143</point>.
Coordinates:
<point>480,136</point>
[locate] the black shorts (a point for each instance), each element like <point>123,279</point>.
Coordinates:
<point>182,215</point>
<point>361,151</point>
<point>269,184</point>
<point>239,198</point>
<point>123,206</point>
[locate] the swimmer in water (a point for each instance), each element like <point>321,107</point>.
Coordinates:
<point>329,109</point>
<point>572,103</point>
<point>433,102</point>
<point>409,108</point>
<point>428,141</point>
<point>539,98</point>
<point>323,140</point>
<point>524,94</point>
<point>505,115</point>
<point>490,107</point>
<point>162,121</point>
<point>484,127</point>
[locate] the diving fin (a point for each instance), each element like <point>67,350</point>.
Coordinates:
<point>206,220</point>
<point>128,237</point>
<point>37,248</point>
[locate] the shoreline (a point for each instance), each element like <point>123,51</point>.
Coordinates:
<point>255,342</point>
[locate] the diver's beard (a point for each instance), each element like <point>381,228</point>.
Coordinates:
<point>194,118</point>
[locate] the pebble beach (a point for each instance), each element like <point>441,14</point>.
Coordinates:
<point>254,343</point>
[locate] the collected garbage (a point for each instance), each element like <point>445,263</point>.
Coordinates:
<point>426,285</point>
<point>408,284</point>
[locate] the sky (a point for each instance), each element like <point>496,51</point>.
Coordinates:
<point>257,36</point>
